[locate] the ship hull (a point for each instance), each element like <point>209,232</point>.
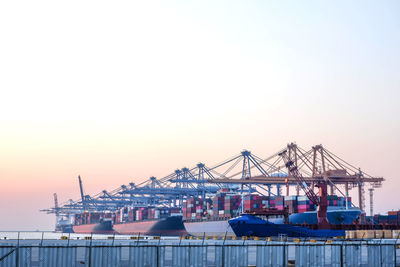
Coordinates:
<point>249,225</point>
<point>94,228</point>
<point>209,228</point>
<point>170,226</point>
<point>68,229</point>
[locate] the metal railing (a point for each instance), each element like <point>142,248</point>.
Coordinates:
<point>204,252</point>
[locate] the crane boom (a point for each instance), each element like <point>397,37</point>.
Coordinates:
<point>293,170</point>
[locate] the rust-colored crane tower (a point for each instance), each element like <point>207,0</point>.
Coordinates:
<point>321,200</point>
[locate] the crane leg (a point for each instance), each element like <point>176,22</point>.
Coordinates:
<point>323,207</point>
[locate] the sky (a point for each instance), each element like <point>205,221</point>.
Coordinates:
<point>124,90</point>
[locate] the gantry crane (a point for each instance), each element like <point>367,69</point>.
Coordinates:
<point>289,166</point>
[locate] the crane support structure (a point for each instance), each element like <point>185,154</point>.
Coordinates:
<point>244,172</point>
<point>56,204</point>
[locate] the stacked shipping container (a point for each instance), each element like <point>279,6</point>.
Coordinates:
<point>225,206</point>
<point>393,218</point>
<point>221,206</point>
<point>279,203</point>
<point>291,203</point>
<point>334,200</point>
<point>131,214</point>
<point>231,205</point>
<point>304,204</point>
<point>88,218</point>
<point>252,202</point>
<point>218,202</point>
<point>193,208</point>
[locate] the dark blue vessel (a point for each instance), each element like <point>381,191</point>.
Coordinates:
<point>335,215</point>
<point>250,225</point>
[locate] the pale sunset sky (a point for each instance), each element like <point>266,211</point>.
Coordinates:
<point>118,91</point>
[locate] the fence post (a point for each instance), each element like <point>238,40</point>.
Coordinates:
<point>17,252</point>
<point>138,237</point>
<point>223,255</point>
<point>90,250</point>
<point>158,255</point>
<point>189,254</point>
<point>341,254</point>
<point>41,241</point>
<point>284,254</point>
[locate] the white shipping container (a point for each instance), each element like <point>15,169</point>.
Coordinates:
<point>396,233</point>
<point>157,214</point>
<point>137,215</point>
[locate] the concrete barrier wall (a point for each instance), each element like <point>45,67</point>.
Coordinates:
<point>371,234</point>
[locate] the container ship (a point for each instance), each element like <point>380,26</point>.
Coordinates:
<point>93,222</point>
<point>154,221</point>
<point>210,217</point>
<point>215,216</point>
<point>261,225</point>
<point>149,221</point>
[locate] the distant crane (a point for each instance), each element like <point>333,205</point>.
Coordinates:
<point>290,166</point>
<point>82,194</point>
<point>56,204</point>
<point>57,212</point>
